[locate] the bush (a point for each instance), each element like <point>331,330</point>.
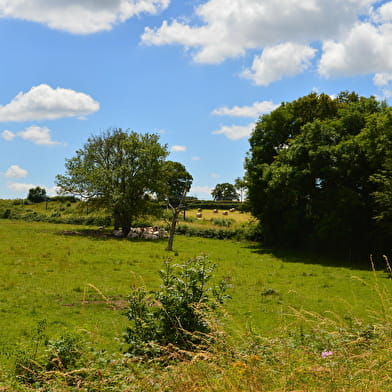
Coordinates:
<point>6,214</point>
<point>177,316</point>
<point>222,222</point>
<point>42,355</point>
<point>71,199</point>
<point>251,231</point>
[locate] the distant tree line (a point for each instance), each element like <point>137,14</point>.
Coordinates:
<point>319,174</point>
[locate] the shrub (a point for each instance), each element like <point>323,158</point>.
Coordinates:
<point>41,356</point>
<point>222,222</point>
<point>6,214</point>
<point>251,231</point>
<point>64,352</point>
<point>177,316</point>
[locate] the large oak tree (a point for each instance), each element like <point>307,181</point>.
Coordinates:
<point>117,171</point>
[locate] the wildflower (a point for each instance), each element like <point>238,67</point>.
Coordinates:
<point>326,354</point>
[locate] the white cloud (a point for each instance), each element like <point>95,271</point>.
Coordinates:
<point>382,79</point>
<point>15,171</point>
<point>235,132</point>
<point>228,28</point>
<point>365,49</point>
<point>177,148</point>
<point>214,175</point>
<point>45,103</point>
<point>8,135</point>
<point>196,158</point>
<point>53,191</point>
<point>21,188</point>
<point>38,135</point>
<point>355,36</point>
<point>275,62</point>
<point>79,17</point>
<point>203,190</point>
<point>383,13</point>
<point>254,110</point>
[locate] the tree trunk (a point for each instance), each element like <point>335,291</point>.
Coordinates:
<point>172,229</point>
<point>116,219</point>
<point>123,221</point>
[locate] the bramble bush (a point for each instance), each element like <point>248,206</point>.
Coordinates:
<point>176,318</point>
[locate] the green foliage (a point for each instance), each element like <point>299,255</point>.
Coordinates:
<point>69,199</point>
<point>6,214</point>
<point>177,316</point>
<point>56,217</point>
<point>317,172</point>
<point>64,353</point>
<point>222,222</point>
<point>178,182</point>
<point>210,205</point>
<point>251,231</point>
<point>37,195</point>
<point>117,171</point>
<point>43,355</point>
<point>225,191</point>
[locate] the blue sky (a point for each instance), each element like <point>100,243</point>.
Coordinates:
<point>197,72</point>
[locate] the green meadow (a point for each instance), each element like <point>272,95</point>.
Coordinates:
<point>77,279</point>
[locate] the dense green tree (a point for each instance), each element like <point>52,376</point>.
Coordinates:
<point>316,172</point>
<point>177,184</point>
<point>117,171</point>
<point>224,191</point>
<point>240,186</point>
<point>37,195</point>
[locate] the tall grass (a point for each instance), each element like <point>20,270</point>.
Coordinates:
<point>315,353</point>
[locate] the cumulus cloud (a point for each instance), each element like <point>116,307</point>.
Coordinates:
<point>20,187</point>
<point>254,110</point>
<point>228,28</point>
<point>365,49</point>
<point>355,36</point>
<point>79,17</point>
<point>38,135</point>
<point>8,135</point>
<point>15,171</point>
<point>235,132</point>
<point>46,103</point>
<point>275,62</point>
<point>177,148</point>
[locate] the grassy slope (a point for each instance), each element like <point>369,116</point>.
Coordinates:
<point>48,275</point>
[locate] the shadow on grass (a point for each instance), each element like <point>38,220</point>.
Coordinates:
<point>347,260</point>
<point>90,233</point>
<point>102,235</point>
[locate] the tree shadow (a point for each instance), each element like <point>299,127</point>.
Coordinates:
<point>347,260</point>
<point>100,235</point>
<point>103,235</point>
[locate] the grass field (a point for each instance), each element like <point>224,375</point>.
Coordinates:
<point>77,279</point>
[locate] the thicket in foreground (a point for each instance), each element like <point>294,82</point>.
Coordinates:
<point>176,318</point>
